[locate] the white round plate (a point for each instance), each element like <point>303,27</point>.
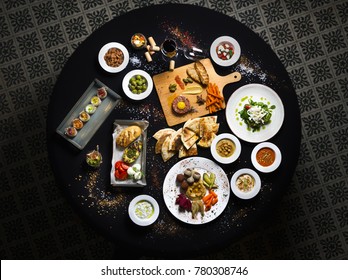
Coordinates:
<point>256,92</point>
<point>104,50</point>
<point>171,189</point>
<point>234,156</point>
<point>233,59</point>
<point>135,218</point>
<point>238,192</point>
<point>132,95</point>
<point>276,163</point>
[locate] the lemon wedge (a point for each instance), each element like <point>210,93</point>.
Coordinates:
<point>197,89</point>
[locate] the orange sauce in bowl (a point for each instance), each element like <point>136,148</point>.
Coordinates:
<point>265,156</point>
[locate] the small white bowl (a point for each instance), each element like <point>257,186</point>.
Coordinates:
<point>143,221</point>
<point>274,165</point>
<point>233,59</point>
<point>234,156</point>
<point>104,50</point>
<point>136,96</point>
<point>253,192</point>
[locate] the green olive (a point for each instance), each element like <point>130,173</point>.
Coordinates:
<point>137,84</point>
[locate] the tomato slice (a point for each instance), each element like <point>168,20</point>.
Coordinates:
<point>124,166</point>
<point>118,164</point>
<point>121,165</point>
<point>121,175</point>
<point>121,170</point>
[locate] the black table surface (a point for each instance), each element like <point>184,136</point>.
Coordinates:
<point>106,207</point>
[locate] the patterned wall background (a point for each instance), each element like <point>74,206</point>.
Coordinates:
<point>310,38</point>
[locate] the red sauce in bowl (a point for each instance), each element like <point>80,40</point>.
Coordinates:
<point>265,156</point>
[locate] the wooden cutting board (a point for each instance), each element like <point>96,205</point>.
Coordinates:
<point>163,80</point>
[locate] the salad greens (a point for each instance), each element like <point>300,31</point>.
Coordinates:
<point>256,114</point>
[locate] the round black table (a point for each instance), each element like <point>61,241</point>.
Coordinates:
<point>104,206</point>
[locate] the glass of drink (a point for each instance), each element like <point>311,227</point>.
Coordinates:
<point>169,48</point>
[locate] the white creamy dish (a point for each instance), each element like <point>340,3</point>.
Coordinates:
<point>245,183</point>
<point>143,209</point>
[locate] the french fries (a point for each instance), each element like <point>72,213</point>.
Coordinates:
<point>215,100</point>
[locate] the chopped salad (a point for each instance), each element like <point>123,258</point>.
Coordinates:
<point>256,114</point>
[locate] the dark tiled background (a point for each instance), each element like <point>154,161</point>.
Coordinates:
<point>310,37</point>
